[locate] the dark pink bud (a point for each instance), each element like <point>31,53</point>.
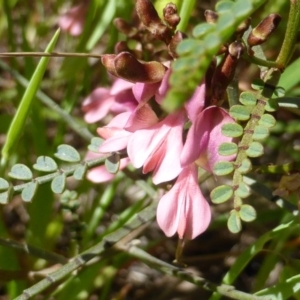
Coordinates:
<point>129,68</point>
<point>149,17</point>
<point>125,27</point>
<point>263,30</point>
<point>108,62</point>
<point>170,15</point>
<point>243,26</point>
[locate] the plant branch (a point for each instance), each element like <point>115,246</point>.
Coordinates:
<point>51,54</point>
<point>41,253</point>
<point>224,290</point>
<point>65,116</point>
<point>107,243</point>
<point>289,41</point>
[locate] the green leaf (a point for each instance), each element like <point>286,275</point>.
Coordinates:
<point>245,166</point>
<point>222,168</point>
<point>260,132</point>
<point>267,121</point>
<point>227,149</point>
<point>67,153</point>
<point>18,122</point>
<point>4,185</point>
<point>21,172</point>
<point>29,191</point>
<point>80,172</point>
<point>248,99</point>
<point>221,194</point>
<point>187,46</point>
<point>58,183</point>
<point>288,79</point>
<point>243,191</point>
<point>232,130</point>
<point>255,149</point>
<point>191,67</point>
<point>200,30</point>
<point>271,105</point>
<point>239,112</point>
<point>279,91</point>
<point>96,142</point>
<point>112,163</point>
<point>45,164</point>
<point>5,196</point>
<point>224,6</point>
<point>282,290</point>
<point>257,84</point>
<point>234,223</point>
<point>247,213</point>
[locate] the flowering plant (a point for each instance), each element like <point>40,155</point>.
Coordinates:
<point>168,122</point>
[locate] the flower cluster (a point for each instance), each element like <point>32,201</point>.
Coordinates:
<point>170,146</point>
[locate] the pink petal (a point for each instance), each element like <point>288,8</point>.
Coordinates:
<point>100,174</point>
<point>204,138</point>
<point>196,103</point>
<point>144,91</point>
<point>73,20</point>
<point>163,88</point>
<point>157,145</point>
<point>120,85</point>
<point>143,117</point>
<point>117,142</point>
<point>96,106</point>
<point>183,208</point>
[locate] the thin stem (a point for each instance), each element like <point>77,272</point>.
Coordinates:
<point>45,99</point>
<point>172,270</point>
<point>41,253</point>
<point>106,244</point>
<point>185,13</point>
<point>289,41</point>
<point>52,54</point>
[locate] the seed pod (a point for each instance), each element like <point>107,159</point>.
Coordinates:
<point>263,30</point>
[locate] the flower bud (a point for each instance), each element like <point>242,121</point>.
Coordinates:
<point>211,16</point>
<point>108,62</point>
<point>243,26</point>
<point>124,27</point>
<point>236,49</point>
<point>126,66</point>
<point>170,15</point>
<point>176,39</point>
<point>149,17</point>
<point>263,30</point>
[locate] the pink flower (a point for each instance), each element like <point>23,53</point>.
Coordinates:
<point>73,21</point>
<point>158,147</point>
<point>101,101</point>
<point>100,174</point>
<point>205,137</point>
<point>184,209</point>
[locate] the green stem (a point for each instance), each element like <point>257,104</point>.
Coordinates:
<point>225,290</point>
<point>185,13</point>
<point>41,253</point>
<point>106,244</point>
<point>289,41</point>
<point>51,54</point>
<point>45,99</point>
